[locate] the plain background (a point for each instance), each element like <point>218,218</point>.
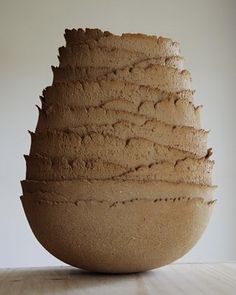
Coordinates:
<point>30,34</point>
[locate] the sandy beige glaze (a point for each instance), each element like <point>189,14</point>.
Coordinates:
<point>117,190</point>
<point>156,76</point>
<point>92,56</point>
<point>118,177</point>
<point>171,111</point>
<point>96,93</point>
<point>129,153</point>
<point>60,168</point>
<point>129,237</point>
<point>150,45</point>
<point>58,117</point>
<point>165,78</point>
<point>61,116</point>
<point>186,139</point>
<point>70,74</point>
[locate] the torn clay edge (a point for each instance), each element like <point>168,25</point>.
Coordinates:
<point>88,181</point>
<point>107,76</point>
<point>114,204</point>
<point>99,83</point>
<point>46,113</point>
<point>91,46</point>
<point>70,162</point>
<point>138,64</point>
<point>155,105</point>
<point>43,191</point>
<point>102,105</point>
<point>125,142</point>
<point>106,34</point>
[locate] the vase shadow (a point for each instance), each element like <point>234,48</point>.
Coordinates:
<point>63,280</point>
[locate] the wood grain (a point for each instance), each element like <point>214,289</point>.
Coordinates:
<point>200,279</point>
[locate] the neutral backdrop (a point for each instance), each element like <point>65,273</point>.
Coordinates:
<point>30,34</point>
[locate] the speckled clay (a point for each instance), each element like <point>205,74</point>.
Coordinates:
<point>118,176</point>
<point>121,237</point>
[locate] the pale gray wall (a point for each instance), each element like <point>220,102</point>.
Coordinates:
<point>30,34</point>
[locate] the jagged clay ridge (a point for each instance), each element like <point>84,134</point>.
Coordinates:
<point>130,153</point>
<point>96,92</point>
<point>60,168</point>
<point>151,46</point>
<point>62,116</point>
<point>124,125</point>
<point>118,190</point>
<point>171,110</point>
<point>92,56</point>
<point>152,75</point>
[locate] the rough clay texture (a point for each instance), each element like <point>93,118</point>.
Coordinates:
<point>124,125</point>
<point>173,137</point>
<point>116,190</point>
<point>96,92</point>
<point>119,173</point>
<point>132,152</point>
<point>128,237</point>
<point>152,46</point>
<point>153,75</point>
<point>93,56</point>
<point>171,111</point>
<point>59,168</point>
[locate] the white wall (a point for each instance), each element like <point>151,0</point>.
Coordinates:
<point>31,32</point>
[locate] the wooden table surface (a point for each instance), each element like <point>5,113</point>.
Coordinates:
<point>190,279</point>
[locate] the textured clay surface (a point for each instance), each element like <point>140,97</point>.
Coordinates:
<point>128,237</point>
<point>95,93</point>
<point>171,110</point>
<point>93,56</point>
<point>116,190</point>
<point>118,178</point>
<point>152,46</point>
<point>60,168</point>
